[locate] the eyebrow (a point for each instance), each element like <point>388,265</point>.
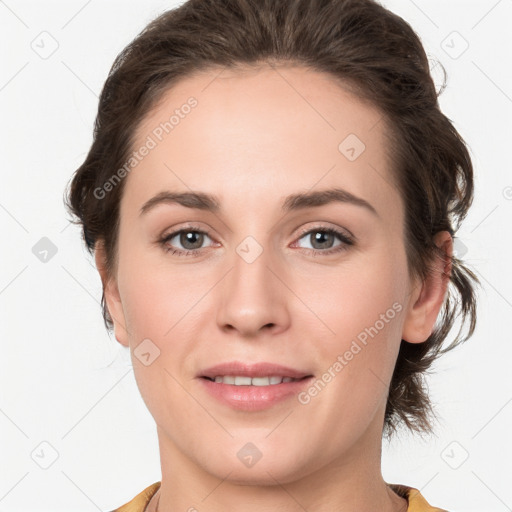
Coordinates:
<point>293,202</point>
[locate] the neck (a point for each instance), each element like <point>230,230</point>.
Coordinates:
<point>350,483</point>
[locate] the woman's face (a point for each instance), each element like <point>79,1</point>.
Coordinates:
<point>262,274</point>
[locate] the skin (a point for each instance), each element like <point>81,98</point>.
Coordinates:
<point>255,137</point>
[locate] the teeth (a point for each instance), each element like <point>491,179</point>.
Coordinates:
<point>242,381</point>
<point>264,381</point>
<point>254,381</point>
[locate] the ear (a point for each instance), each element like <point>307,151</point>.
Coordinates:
<point>428,296</point>
<point>112,296</point>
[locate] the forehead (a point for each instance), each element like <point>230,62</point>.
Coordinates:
<point>263,133</point>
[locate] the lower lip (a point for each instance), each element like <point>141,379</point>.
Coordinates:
<point>254,398</point>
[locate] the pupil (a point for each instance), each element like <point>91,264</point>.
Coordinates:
<point>318,237</point>
<point>188,238</point>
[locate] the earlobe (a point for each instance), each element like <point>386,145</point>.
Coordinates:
<point>112,296</point>
<point>428,296</point>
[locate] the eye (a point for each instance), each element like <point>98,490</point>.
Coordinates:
<point>190,239</point>
<point>322,239</point>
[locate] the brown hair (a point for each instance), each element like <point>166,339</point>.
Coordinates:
<point>377,55</point>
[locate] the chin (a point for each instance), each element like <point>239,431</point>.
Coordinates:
<point>268,470</point>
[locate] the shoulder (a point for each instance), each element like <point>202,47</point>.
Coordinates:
<point>138,504</point>
<point>417,503</point>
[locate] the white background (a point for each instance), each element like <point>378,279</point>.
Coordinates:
<point>65,382</point>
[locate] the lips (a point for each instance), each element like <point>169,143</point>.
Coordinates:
<point>263,369</point>
<point>253,387</point>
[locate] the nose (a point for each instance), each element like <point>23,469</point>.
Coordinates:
<point>253,297</point>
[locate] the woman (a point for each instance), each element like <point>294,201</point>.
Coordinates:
<point>271,198</point>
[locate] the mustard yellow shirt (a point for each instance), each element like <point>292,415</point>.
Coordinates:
<point>417,502</point>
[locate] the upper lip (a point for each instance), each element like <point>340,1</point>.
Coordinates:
<point>263,369</point>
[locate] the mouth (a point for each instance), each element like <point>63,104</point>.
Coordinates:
<point>241,380</point>
<point>253,387</point>
<point>252,374</point>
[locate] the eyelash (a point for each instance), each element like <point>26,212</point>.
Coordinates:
<point>346,240</point>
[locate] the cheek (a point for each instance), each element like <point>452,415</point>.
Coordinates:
<point>156,315</point>
<point>353,298</point>
<point>363,310</point>
<point>357,361</point>
<point>155,296</point>
<point>144,304</point>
